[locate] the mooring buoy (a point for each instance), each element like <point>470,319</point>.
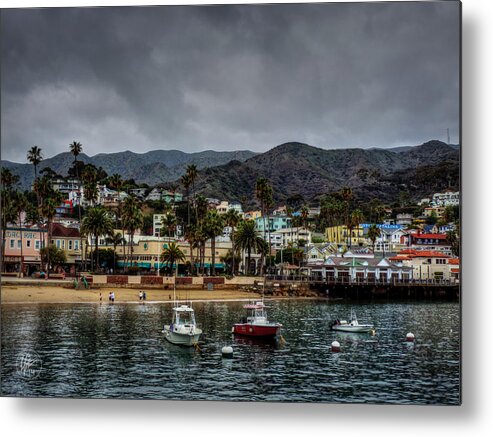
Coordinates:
<point>335,346</point>
<point>410,337</point>
<point>227,352</point>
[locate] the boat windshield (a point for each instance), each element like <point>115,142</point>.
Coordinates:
<point>184,317</point>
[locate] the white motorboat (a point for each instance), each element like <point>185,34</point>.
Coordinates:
<point>183,329</point>
<point>351,326</point>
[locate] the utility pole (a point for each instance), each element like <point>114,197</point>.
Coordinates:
<point>448,136</point>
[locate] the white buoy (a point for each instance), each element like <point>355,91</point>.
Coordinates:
<point>410,337</point>
<point>335,346</point>
<point>227,352</point>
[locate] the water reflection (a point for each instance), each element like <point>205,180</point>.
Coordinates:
<point>119,351</point>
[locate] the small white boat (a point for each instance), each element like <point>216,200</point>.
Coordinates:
<point>183,329</point>
<point>351,326</point>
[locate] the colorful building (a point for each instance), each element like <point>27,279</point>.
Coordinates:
<point>273,223</point>
<point>340,235</point>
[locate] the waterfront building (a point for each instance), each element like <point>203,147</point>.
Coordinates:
<point>358,269</point>
<point>429,264</point>
<point>23,245</point>
<point>33,239</point>
<point>68,240</point>
<point>147,249</point>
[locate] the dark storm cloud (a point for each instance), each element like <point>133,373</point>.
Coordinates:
<point>331,75</point>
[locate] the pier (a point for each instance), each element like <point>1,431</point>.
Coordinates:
<point>363,288</point>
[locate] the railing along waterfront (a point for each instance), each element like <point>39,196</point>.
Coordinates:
<point>346,280</point>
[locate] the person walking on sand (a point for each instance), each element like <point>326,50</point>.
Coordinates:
<point>144,296</point>
<point>109,296</point>
<point>112,296</point>
<point>100,297</point>
<point>141,295</point>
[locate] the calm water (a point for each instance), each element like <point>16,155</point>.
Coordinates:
<point>119,351</point>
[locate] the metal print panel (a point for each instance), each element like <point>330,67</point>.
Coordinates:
<point>236,202</point>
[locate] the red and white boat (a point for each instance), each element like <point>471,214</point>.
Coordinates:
<point>257,324</point>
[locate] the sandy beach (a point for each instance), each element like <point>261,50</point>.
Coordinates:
<point>31,294</point>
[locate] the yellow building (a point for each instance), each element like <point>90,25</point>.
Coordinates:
<point>252,215</point>
<point>339,235</point>
<point>146,251</point>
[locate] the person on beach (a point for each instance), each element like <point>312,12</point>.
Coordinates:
<point>112,296</point>
<point>144,295</point>
<point>100,297</point>
<point>141,295</point>
<point>109,296</point>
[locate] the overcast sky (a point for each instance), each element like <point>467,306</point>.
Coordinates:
<point>228,77</point>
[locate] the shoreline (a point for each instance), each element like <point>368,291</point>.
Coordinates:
<point>28,294</point>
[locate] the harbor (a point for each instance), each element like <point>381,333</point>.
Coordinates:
<point>119,351</point>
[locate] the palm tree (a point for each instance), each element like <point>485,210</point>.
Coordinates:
<point>97,222</point>
<point>247,240</point>
<point>48,210</point>
<point>263,193</point>
<point>190,236</point>
<point>355,220</point>
<point>171,255</point>
<point>373,233</point>
<point>34,156</point>
<point>346,195</point>
<point>192,174</point>
<point>187,182</point>
<point>304,216</point>
<point>168,226</point>
<point>89,178</point>
<point>7,205</point>
<point>76,149</point>
<point>21,205</point>
<point>232,219</point>
<point>214,226</point>
<point>132,219</point>
<point>115,239</point>
<point>115,182</point>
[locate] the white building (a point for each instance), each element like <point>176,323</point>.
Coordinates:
<point>446,199</point>
<point>283,237</point>
<point>155,194</point>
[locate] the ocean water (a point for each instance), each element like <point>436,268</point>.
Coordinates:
<point>119,351</point>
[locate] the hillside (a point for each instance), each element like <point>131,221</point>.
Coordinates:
<point>152,167</point>
<point>295,168</point>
